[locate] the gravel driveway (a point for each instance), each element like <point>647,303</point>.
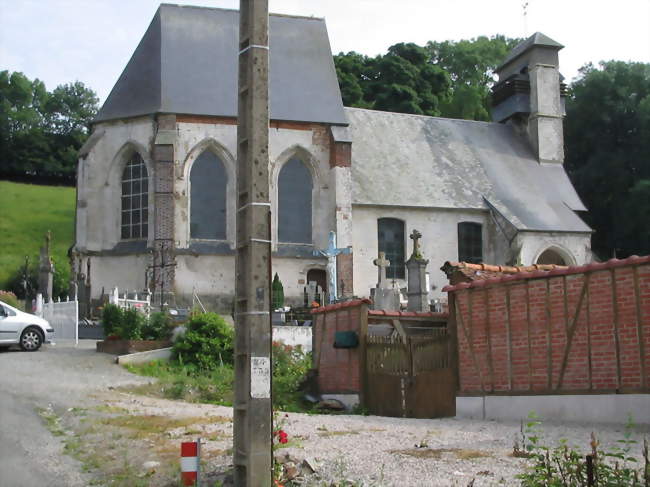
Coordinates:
<point>368,450</point>
<point>60,377</point>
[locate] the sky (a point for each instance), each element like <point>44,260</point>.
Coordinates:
<point>61,41</point>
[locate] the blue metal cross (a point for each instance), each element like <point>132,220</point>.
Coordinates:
<point>331,252</point>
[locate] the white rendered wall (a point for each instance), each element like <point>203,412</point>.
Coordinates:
<point>126,272</point>
<point>439,241</point>
<point>574,247</point>
<point>99,189</point>
<point>193,138</point>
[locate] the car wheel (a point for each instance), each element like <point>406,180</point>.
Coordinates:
<point>31,339</point>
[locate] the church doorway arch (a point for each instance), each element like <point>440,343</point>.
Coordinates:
<point>552,256</point>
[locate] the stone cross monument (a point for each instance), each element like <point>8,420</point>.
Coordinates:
<point>46,269</point>
<point>382,263</point>
<point>331,252</point>
<point>383,296</point>
<point>417,292</point>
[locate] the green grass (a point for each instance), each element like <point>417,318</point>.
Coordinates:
<point>27,212</point>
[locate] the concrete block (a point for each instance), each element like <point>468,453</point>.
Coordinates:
<point>587,408</point>
<point>144,357</point>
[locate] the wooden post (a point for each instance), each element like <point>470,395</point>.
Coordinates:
<point>252,454</point>
<point>363,344</point>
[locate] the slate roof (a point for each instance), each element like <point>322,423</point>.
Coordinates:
<point>537,39</point>
<point>419,161</point>
<point>186,63</point>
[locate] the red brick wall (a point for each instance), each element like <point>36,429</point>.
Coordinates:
<point>515,334</point>
<point>339,369</point>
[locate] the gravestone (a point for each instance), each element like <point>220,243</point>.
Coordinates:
<point>417,292</point>
<point>46,270</point>
<point>313,292</point>
<point>384,296</point>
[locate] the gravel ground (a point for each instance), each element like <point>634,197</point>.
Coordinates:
<point>369,450</point>
<point>381,451</point>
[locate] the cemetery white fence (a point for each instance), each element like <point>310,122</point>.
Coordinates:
<point>142,302</point>
<point>63,317</point>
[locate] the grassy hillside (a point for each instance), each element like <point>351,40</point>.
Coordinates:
<point>27,212</point>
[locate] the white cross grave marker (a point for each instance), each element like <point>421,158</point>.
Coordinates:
<point>331,252</point>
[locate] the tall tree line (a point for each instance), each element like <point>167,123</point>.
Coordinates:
<point>41,131</point>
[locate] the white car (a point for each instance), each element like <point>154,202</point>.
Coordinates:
<point>24,329</point>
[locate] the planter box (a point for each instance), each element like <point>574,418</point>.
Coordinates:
<point>123,347</point>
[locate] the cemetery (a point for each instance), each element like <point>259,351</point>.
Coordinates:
<point>258,249</point>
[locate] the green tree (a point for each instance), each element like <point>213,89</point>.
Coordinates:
<point>607,148</point>
<point>402,80</point>
<point>471,65</point>
<point>41,132</point>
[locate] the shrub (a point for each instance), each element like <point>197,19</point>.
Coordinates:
<point>290,366</point>
<point>10,298</point>
<point>207,342</point>
<point>126,324</point>
<point>564,465</point>
<point>157,327</point>
<point>132,324</point>
<point>111,319</point>
<point>277,293</point>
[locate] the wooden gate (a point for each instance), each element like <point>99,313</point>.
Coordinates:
<point>410,376</point>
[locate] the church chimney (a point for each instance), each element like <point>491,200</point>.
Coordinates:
<point>530,95</point>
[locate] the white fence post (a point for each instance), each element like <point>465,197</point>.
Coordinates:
<point>76,314</point>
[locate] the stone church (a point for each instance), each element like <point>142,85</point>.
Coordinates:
<point>156,179</point>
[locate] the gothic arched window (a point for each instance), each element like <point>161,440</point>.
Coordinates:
<point>294,203</point>
<point>135,199</point>
<point>208,181</point>
<point>470,242</point>
<point>390,238</point>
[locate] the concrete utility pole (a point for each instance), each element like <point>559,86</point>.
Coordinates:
<point>252,454</point>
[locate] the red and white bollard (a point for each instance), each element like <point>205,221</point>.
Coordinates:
<point>190,457</point>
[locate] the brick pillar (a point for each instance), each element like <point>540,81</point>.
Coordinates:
<point>340,164</point>
<point>164,249</point>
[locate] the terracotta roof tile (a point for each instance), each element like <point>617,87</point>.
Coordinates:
<point>344,304</point>
<point>507,273</point>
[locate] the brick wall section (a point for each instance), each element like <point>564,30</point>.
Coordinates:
<point>341,154</point>
<point>339,370</point>
<point>581,330</point>
<point>163,157</point>
<point>344,274</point>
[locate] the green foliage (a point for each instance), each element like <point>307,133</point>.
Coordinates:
<point>178,381</point>
<point>41,132</point>
<point>290,366</point>
<point>131,324</point>
<point>607,147</point>
<point>190,381</point>
<point>449,79</point>
<point>60,279</point>
<point>10,298</point>
<point>402,80</point>
<point>207,343</point>
<point>27,212</point>
<point>471,65</point>
<point>157,327</point>
<point>277,292</point>
<point>563,465</point>
<point>111,320</point>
